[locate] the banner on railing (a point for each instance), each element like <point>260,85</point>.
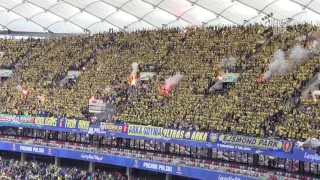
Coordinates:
<point>186,171</point>
<point>150,133</point>
<point>73,74</point>
<point>253,142</point>
<point>165,133</point>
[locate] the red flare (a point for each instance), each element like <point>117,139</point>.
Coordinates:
<point>25,92</point>
<point>92,99</point>
<point>261,79</point>
<point>164,91</point>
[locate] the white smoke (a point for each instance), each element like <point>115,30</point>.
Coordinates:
<point>316,92</point>
<point>267,75</point>
<point>172,81</point>
<point>301,38</point>
<point>315,45</point>
<point>134,71</point>
<point>19,87</point>
<point>40,97</point>
<point>277,65</point>
<point>309,143</point>
<point>298,53</point>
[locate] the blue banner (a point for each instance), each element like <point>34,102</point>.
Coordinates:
<point>252,145</point>
<point>165,133</point>
<point>234,142</point>
<point>191,172</point>
<point>243,142</point>
<point>58,124</point>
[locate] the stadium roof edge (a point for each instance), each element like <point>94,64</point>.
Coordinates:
<point>73,16</point>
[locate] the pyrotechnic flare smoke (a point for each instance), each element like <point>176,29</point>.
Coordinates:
<point>314,93</point>
<point>298,53</point>
<point>172,81</point>
<point>18,87</point>
<point>301,38</point>
<point>41,98</point>
<point>315,45</point>
<point>134,71</point>
<point>267,75</point>
<point>133,74</point>
<point>278,65</point>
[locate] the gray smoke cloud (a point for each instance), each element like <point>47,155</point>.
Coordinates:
<point>18,87</point>
<point>301,38</point>
<point>298,54</point>
<point>135,68</point>
<point>41,98</point>
<point>315,45</point>
<point>172,81</point>
<point>277,65</point>
<point>280,65</point>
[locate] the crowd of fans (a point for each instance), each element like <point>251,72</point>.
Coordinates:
<point>271,108</point>
<point>34,170</point>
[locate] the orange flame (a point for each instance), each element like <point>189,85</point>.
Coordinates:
<point>164,91</point>
<point>133,82</point>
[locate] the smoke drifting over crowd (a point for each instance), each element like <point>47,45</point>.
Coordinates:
<point>301,38</point>
<point>18,87</point>
<point>172,81</point>
<point>279,64</point>
<point>298,53</point>
<point>41,98</point>
<point>315,45</point>
<point>315,93</point>
<point>133,75</point>
<point>134,71</point>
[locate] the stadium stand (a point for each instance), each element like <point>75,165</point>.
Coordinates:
<point>189,43</point>
<point>250,107</point>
